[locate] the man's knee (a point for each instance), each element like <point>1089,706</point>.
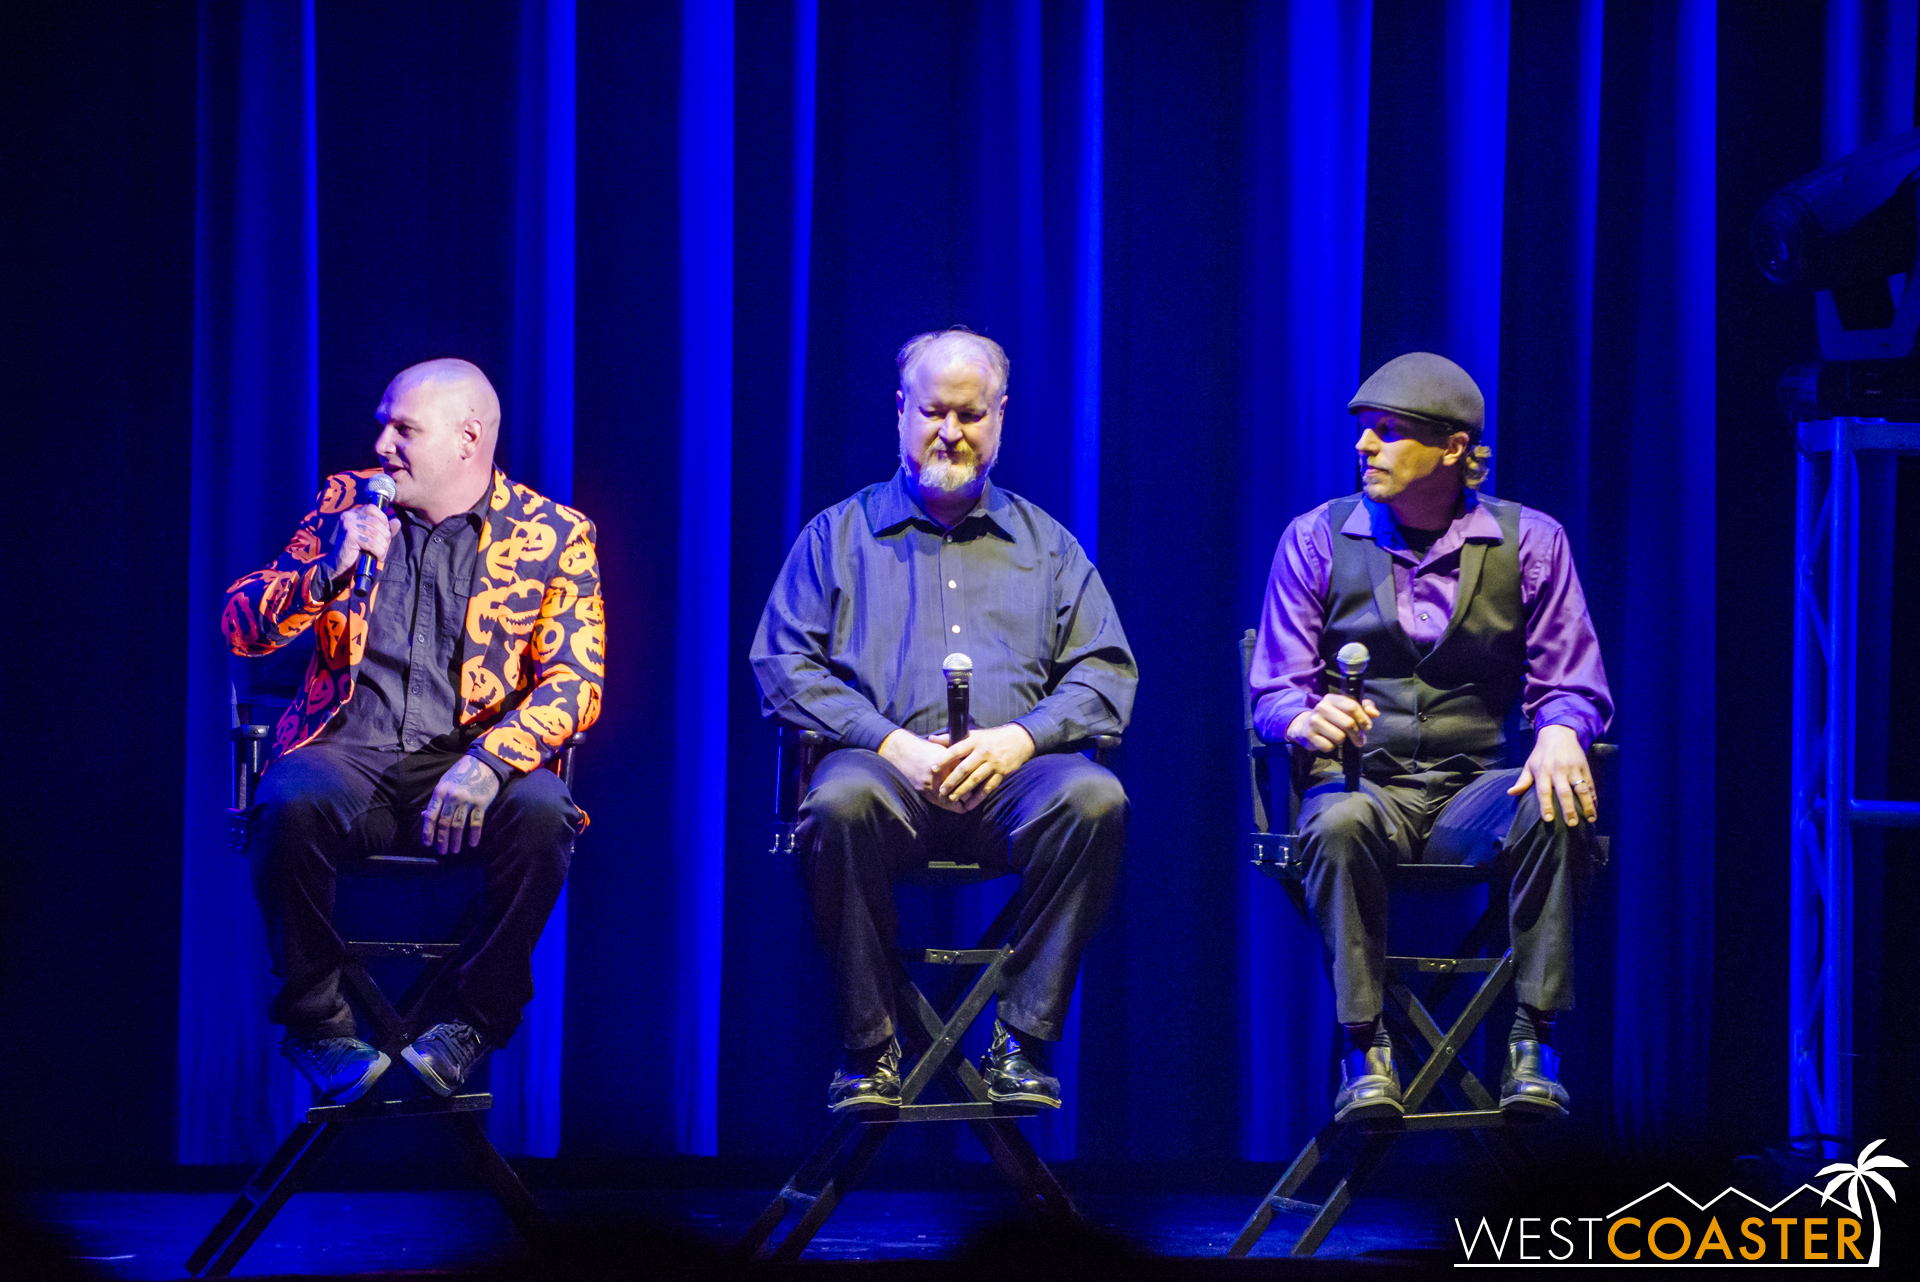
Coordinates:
<point>1095,798</point>
<point>537,808</point>
<point>844,799</point>
<point>1339,824</point>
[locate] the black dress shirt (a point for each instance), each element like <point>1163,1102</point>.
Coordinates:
<point>406,693</point>
<point>876,593</point>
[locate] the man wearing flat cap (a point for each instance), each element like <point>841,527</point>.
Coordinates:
<point>1469,607</point>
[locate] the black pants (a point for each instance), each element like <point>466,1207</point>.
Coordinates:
<point>1351,839</point>
<point>1059,821</point>
<point>326,806</point>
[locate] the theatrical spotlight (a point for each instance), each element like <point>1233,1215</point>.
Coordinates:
<point>1847,231</point>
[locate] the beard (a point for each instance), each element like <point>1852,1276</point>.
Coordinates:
<point>949,475</point>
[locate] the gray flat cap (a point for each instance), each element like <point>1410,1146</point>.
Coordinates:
<point>1425,386</point>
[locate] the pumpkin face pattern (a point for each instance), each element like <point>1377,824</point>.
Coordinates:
<point>534,617</point>
<point>512,608</point>
<point>481,689</point>
<point>589,704</point>
<point>529,541</point>
<point>339,494</point>
<point>512,745</point>
<point>561,595</point>
<point>553,724</point>
<point>578,559</point>
<point>589,647</point>
<point>547,638</point>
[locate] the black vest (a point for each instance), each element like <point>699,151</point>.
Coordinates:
<point>1453,702</point>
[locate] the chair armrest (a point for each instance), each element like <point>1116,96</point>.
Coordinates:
<point>1100,745</point>
<point>800,751</point>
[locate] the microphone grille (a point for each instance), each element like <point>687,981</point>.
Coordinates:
<point>1352,657</point>
<point>381,486</point>
<point>956,662</point>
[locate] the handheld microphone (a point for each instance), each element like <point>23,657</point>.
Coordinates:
<point>1352,659</point>
<point>959,670</point>
<point>381,487</point>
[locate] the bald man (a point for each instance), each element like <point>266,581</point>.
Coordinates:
<point>876,592</point>
<point>429,707</point>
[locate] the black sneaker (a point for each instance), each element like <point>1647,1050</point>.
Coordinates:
<point>444,1055</point>
<point>869,1079</point>
<point>342,1069</point>
<point>1019,1069</point>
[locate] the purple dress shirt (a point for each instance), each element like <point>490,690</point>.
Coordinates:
<point>1566,683</point>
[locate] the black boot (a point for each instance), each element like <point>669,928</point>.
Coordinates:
<point>869,1079</point>
<point>1019,1069</point>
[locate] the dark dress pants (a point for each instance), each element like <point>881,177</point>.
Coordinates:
<point>1058,821</point>
<point>324,807</point>
<point>1351,839</point>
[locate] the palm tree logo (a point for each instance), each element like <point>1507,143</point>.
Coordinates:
<point>1855,1176</point>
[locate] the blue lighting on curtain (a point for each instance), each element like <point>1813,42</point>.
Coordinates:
<point>706,491</point>
<point>1309,130</point>
<point>806,58</point>
<point>1087,315</point>
<point>525,1076</point>
<point>255,468</point>
<point>1476,149</point>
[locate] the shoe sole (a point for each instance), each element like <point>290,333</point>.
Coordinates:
<point>1379,1110</point>
<point>1019,1097</point>
<point>1532,1106</point>
<point>861,1103</point>
<point>425,1072</point>
<point>374,1072</point>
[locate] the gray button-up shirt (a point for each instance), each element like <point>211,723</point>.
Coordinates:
<point>876,593</point>
<point>406,693</point>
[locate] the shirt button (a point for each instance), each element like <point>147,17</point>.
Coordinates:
<point>952,584</point>
<point>956,627</point>
<point>1423,618</point>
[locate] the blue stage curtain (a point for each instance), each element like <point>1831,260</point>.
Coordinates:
<point>1307,161</point>
<point>255,450</point>
<point>442,210</point>
<point>1283,196</point>
<point>1194,238</point>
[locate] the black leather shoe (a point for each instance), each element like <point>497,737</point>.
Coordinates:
<point>1019,1070</point>
<point>1369,1087</point>
<point>444,1055</point>
<point>877,1085</point>
<point>342,1069</point>
<point>1531,1083</point>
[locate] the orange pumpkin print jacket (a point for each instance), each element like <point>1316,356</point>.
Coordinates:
<point>536,630</point>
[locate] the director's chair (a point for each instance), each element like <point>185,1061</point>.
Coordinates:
<point>930,1041</point>
<point>393,1024</point>
<point>1418,1037</point>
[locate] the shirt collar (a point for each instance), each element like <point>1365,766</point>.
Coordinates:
<point>895,504</point>
<point>1375,521</point>
<point>476,515</point>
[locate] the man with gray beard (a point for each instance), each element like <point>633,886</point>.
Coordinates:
<point>875,593</point>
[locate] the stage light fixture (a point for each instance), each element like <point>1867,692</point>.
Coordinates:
<point>1848,231</point>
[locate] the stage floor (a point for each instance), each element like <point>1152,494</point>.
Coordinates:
<point>334,1234</point>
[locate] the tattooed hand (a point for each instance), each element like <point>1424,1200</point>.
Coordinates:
<point>458,806</point>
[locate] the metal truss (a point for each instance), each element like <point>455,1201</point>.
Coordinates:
<point>1826,647</point>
